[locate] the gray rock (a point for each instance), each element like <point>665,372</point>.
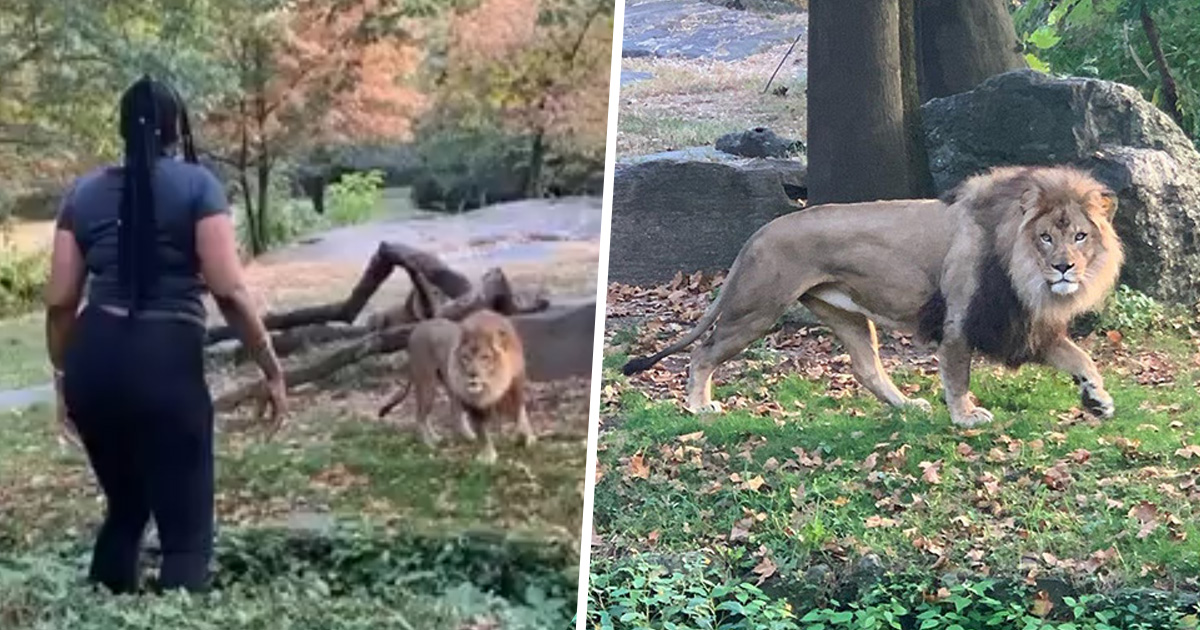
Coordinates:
<point>693,210</point>
<point>633,76</point>
<point>818,574</point>
<point>758,142</point>
<point>1025,117</point>
<point>558,341</point>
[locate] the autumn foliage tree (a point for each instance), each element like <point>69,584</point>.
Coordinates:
<point>308,72</point>
<point>539,71</point>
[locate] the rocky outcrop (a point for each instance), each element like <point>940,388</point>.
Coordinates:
<point>693,210</point>
<point>758,142</point>
<point>1025,117</point>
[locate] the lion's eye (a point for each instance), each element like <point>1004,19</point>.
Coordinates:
<point>1046,238</point>
<point>1080,236</point>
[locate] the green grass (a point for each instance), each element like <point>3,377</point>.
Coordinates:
<point>23,352</point>
<point>831,479</point>
<point>449,543</point>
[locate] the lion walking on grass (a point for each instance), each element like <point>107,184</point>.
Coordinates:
<point>998,267</point>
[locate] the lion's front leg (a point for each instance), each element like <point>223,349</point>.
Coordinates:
<point>954,367</point>
<point>1070,358</point>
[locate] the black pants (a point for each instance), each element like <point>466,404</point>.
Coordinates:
<point>136,391</point>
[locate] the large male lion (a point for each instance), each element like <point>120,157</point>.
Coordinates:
<point>1000,267</point>
<point>481,363</point>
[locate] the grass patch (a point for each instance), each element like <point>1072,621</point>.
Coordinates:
<point>763,516</point>
<point>689,103</point>
<point>340,522</point>
<point>23,352</point>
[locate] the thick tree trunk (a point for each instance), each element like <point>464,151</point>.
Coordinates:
<point>1170,91</point>
<point>961,43</point>
<point>919,177</point>
<point>857,144</point>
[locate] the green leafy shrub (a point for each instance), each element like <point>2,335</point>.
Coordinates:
<point>22,276</point>
<point>467,168</point>
<point>355,198</point>
<point>1105,39</point>
<point>351,579</point>
<point>287,219</point>
<point>636,594</point>
<point>1130,311</point>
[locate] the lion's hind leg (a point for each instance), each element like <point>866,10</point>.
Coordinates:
<point>857,333</point>
<point>730,336</point>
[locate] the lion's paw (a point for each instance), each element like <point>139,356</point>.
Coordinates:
<point>487,456</point>
<point>430,438</point>
<point>919,404</point>
<point>1098,402</point>
<point>711,406</point>
<point>975,417</point>
<point>528,440</point>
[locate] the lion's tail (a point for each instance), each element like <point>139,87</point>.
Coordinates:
<point>396,399</point>
<point>639,364</point>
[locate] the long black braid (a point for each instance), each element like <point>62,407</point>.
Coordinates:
<point>153,118</point>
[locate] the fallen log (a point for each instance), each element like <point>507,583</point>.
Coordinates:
<point>420,265</point>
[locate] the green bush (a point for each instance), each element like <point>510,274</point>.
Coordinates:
<point>636,594</point>
<point>271,579</point>
<point>1130,311</point>
<point>467,168</point>
<point>287,219</point>
<point>1100,38</point>
<point>22,276</point>
<point>355,198</point>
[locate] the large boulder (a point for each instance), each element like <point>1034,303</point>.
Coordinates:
<point>1025,117</point>
<point>693,210</point>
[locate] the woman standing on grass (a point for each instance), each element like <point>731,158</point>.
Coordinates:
<point>152,235</point>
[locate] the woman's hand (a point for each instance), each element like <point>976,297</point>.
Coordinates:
<point>63,416</point>
<point>272,407</point>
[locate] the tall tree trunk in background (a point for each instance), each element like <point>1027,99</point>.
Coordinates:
<point>920,179</point>
<point>960,43</point>
<point>1170,92</point>
<point>537,159</point>
<point>857,144</point>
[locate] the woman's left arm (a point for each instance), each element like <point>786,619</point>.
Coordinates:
<point>63,291</point>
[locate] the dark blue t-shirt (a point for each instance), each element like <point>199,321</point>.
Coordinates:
<point>183,195</point>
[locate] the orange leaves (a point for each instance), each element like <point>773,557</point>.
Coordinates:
<point>637,467</point>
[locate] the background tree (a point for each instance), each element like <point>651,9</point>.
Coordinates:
<point>307,72</point>
<point>962,43</point>
<point>530,74</point>
<point>1148,44</point>
<point>871,66</point>
<point>857,144</point>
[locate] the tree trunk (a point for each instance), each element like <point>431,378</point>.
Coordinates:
<point>857,145</point>
<point>537,158</point>
<point>919,177</point>
<point>1170,91</point>
<point>963,42</point>
<point>264,201</point>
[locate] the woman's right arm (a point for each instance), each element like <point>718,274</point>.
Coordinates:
<point>216,245</point>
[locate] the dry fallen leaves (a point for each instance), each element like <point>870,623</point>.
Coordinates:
<point>638,468</point>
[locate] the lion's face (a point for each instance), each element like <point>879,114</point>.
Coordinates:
<point>487,355</point>
<point>1066,242</point>
<point>1066,253</point>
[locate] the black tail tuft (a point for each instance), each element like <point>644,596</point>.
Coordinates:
<point>638,365</point>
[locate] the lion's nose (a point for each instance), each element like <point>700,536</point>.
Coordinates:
<point>1063,267</point>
